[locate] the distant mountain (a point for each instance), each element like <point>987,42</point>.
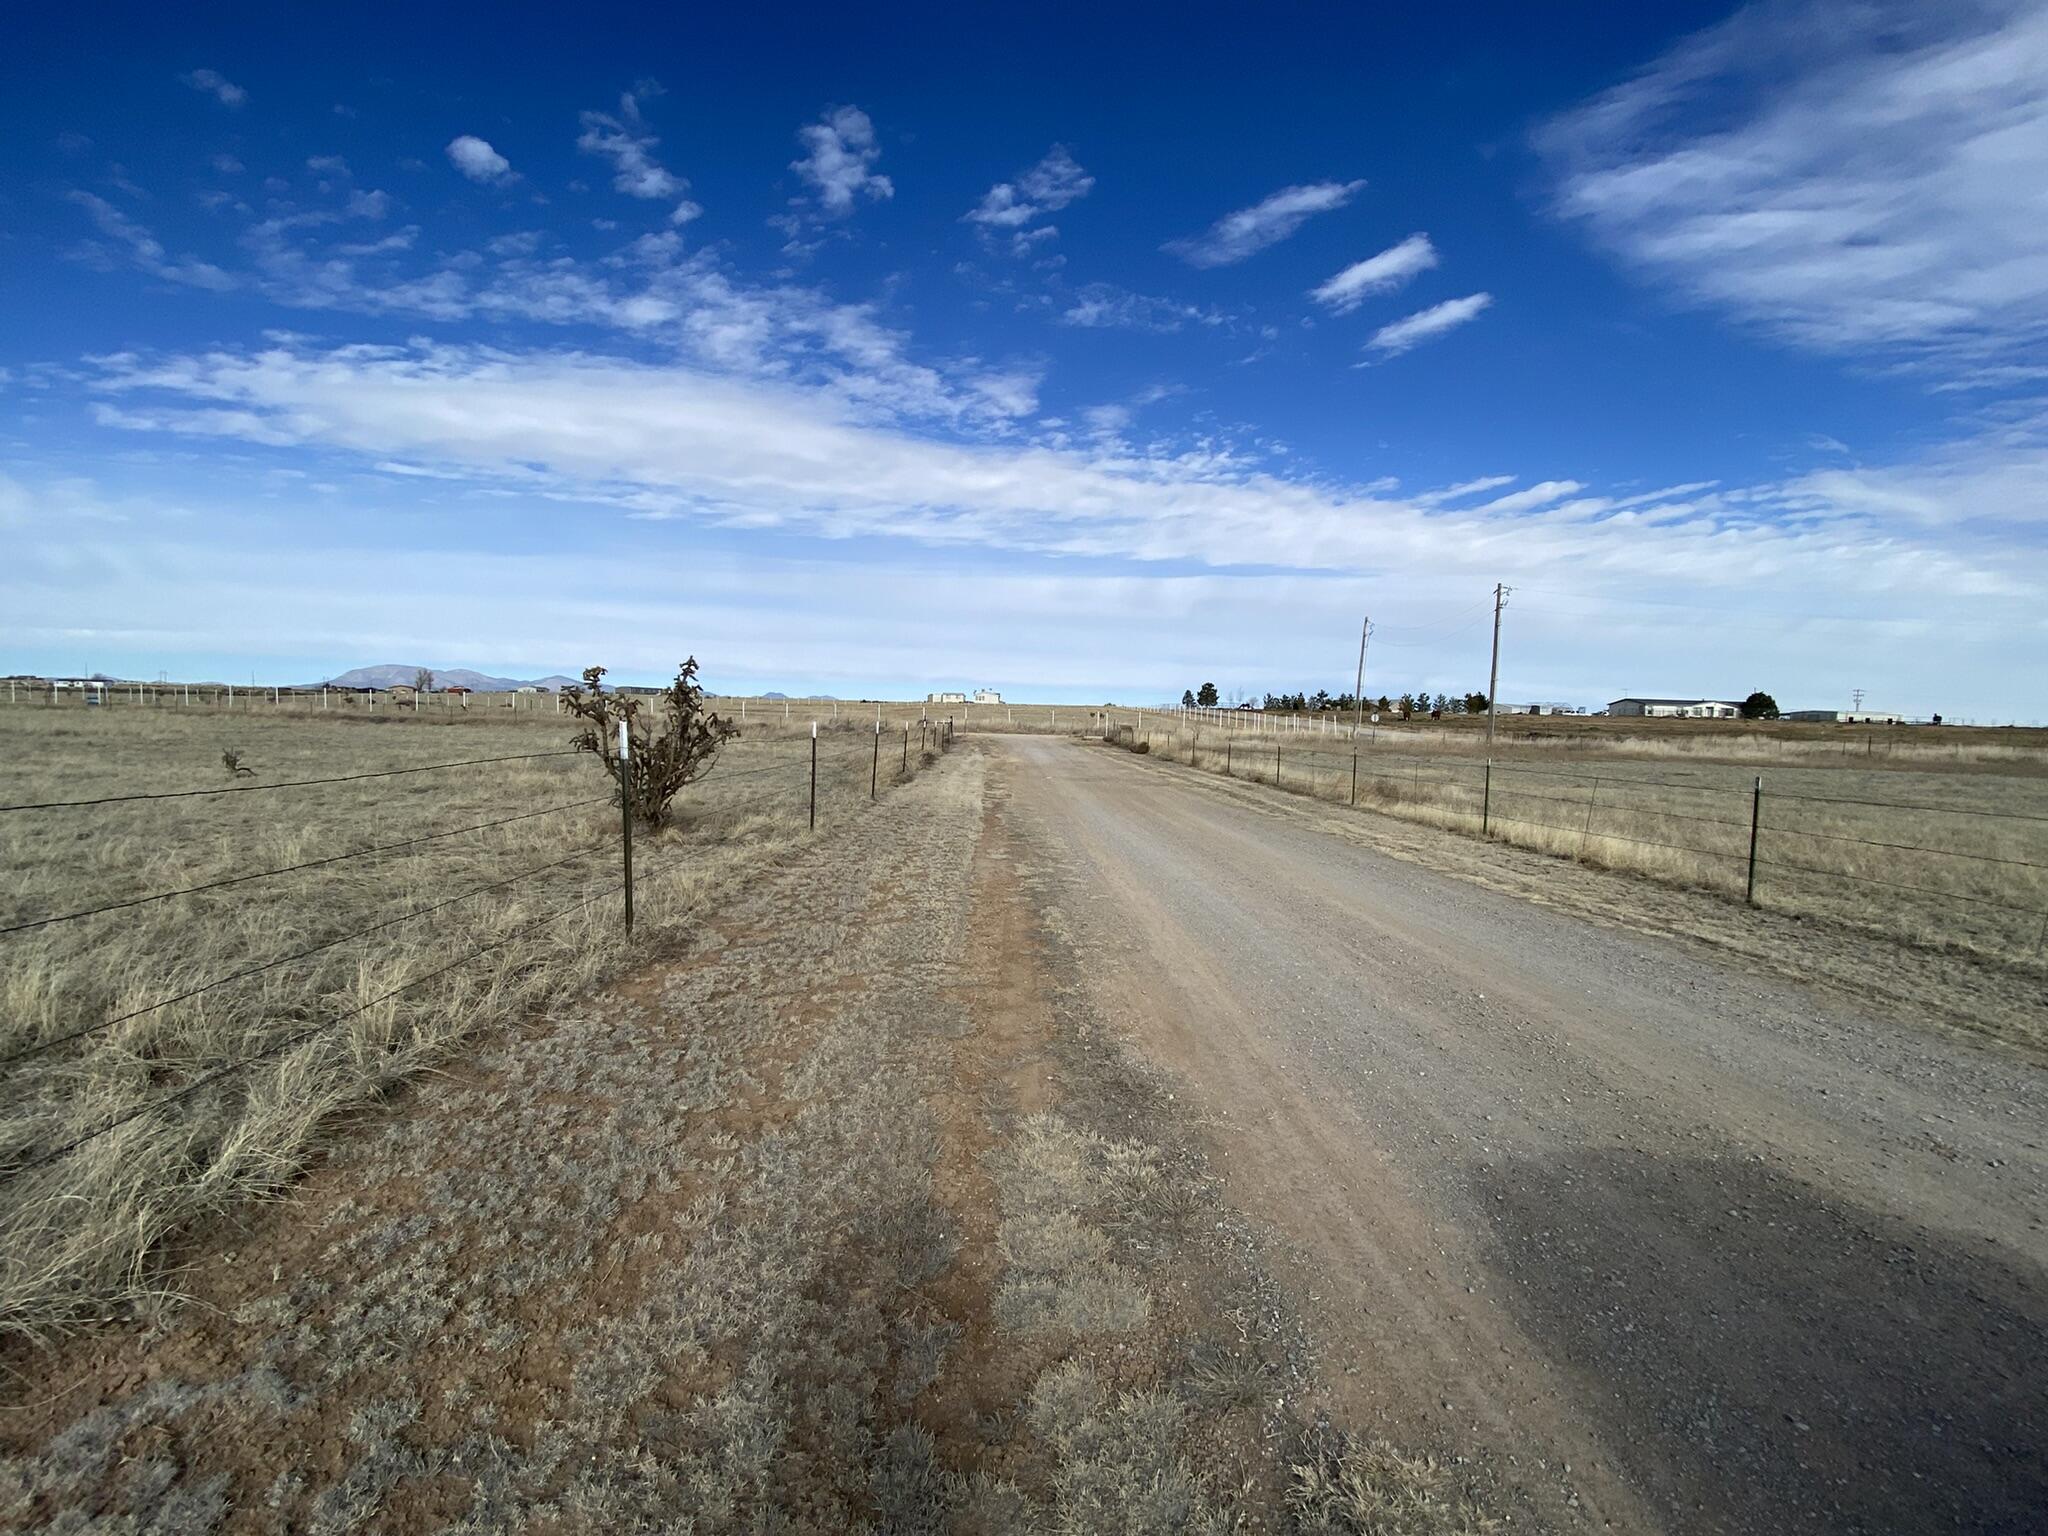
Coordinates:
<point>453,677</point>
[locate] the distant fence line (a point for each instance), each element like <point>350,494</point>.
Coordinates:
<point>793,787</point>
<point>227,696</point>
<point>1941,874</point>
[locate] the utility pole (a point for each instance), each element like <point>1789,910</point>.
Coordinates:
<point>1358,688</point>
<point>1500,601</point>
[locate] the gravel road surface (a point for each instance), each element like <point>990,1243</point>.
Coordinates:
<point>1663,1243</point>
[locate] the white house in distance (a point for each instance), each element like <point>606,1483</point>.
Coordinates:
<point>945,698</point>
<point>987,696</point>
<point>1677,709</point>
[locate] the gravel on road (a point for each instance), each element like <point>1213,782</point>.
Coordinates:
<point>1687,1244</point>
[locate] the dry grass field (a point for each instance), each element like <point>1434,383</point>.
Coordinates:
<point>413,907</point>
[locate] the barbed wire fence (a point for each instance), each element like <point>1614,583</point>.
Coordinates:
<point>793,790</point>
<point>1971,876</point>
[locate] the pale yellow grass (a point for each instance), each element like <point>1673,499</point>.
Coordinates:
<point>81,1236</point>
<point>1936,857</point>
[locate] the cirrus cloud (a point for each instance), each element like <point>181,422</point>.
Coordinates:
<point>1376,274</point>
<point>1428,324</point>
<point>1872,187</point>
<point>1237,236</point>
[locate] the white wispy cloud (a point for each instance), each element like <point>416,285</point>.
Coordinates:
<point>668,441</point>
<point>839,159</point>
<point>1539,495</point>
<point>1236,236</point>
<point>649,289</point>
<point>477,160</point>
<point>1013,207</point>
<point>216,85</point>
<point>626,141</point>
<point>1862,184</point>
<point>1376,274</point>
<point>1427,324</point>
<point>1467,488</point>
<point>142,249</point>
<point>1106,306</point>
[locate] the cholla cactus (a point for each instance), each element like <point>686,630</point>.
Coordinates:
<point>672,746</point>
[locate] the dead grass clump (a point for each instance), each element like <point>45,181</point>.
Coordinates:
<point>1118,1464</point>
<point>1223,1379</point>
<point>1055,1186</point>
<point>1369,1488</point>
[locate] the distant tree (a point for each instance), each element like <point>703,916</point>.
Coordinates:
<point>1759,706</point>
<point>1321,701</point>
<point>1187,698</point>
<point>423,680</point>
<point>1206,697</point>
<point>1475,703</point>
<point>1443,702</point>
<point>1384,704</point>
<point>1407,705</point>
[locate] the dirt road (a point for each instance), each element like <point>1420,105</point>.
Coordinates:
<point>1678,1245</point>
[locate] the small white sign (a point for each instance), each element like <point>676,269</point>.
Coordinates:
<point>1375,717</point>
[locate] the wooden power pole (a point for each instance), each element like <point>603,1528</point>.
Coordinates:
<point>1500,601</point>
<point>1358,688</point>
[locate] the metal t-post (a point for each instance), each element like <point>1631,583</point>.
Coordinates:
<point>626,817</point>
<point>814,775</point>
<point>875,771</point>
<point>1756,812</point>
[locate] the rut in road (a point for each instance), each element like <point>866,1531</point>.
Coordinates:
<point>1739,1253</point>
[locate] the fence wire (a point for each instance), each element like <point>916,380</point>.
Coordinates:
<point>1470,789</point>
<point>253,789</point>
<point>277,1047</point>
<point>802,769</point>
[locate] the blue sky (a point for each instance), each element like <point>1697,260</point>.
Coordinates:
<point>1067,352</point>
